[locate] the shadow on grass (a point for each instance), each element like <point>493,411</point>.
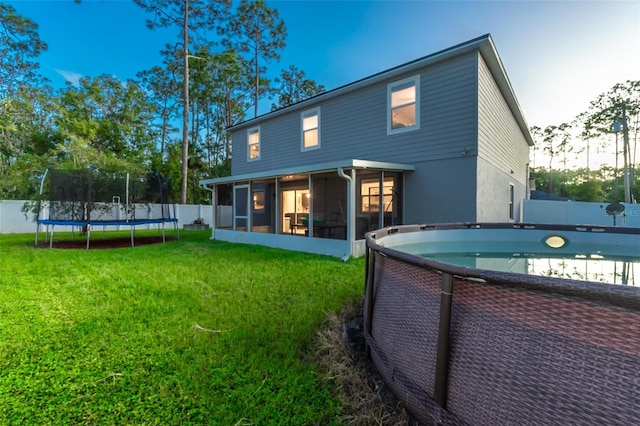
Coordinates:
<point>105,243</point>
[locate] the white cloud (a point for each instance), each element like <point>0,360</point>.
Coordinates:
<point>70,76</point>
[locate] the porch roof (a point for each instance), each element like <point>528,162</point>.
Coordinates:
<point>312,169</point>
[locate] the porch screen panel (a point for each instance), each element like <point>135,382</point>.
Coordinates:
<point>391,199</point>
<point>368,213</point>
<point>329,194</point>
<point>241,208</point>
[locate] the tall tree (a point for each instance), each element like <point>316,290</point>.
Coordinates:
<point>550,147</point>
<point>256,30</point>
<point>556,140</point>
<point>28,136</point>
<point>536,133</point>
<point>19,45</point>
<point>220,86</point>
<point>618,111</point>
<point>190,16</point>
<point>587,134</point>
<point>295,87</point>
<point>164,92</point>
<point>564,146</point>
<point>110,115</point>
<point>231,94</point>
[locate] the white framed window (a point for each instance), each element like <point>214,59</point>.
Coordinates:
<point>403,105</point>
<point>370,195</point>
<point>253,144</point>
<point>310,121</point>
<point>258,201</point>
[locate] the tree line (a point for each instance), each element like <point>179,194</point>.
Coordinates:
<point>170,119</point>
<point>606,134</point>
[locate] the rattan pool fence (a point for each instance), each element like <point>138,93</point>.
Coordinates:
<point>478,347</point>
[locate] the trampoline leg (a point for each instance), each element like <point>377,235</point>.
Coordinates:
<point>37,232</point>
<point>131,235</point>
<point>51,237</point>
<point>88,234</point>
<point>163,233</point>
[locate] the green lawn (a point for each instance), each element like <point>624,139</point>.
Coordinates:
<point>190,332</point>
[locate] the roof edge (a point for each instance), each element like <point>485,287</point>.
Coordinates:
<point>311,169</point>
<point>390,72</point>
<point>484,44</point>
<point>495,65</point>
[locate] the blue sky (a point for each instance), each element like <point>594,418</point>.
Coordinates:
<point>559,55</point>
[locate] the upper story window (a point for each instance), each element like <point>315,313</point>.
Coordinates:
<point>253,143</point>
<point>403,105</point>
<point>310,129</point>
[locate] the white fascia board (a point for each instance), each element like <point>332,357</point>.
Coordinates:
<point>311,169</point>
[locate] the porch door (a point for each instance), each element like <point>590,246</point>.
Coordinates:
<point>295,211</point>
<point>380,201</point>
<point>390,198</point>
<point>261,207</point>
<point>241,208</point>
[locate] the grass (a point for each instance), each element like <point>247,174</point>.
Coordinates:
<point>366,399</point>
<point>190,332</point>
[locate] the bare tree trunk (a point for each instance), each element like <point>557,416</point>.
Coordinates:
<point>208,138</point>
<point>255,58</point>
<point>588,168</point>
<point>163,136</point>
<point>227,139</point>
<point>626,156</point>
<point>255,111</point>
<point>615,182</point>
<point>185,110</point>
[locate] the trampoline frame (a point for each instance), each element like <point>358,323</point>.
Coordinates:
<point>87,225</point>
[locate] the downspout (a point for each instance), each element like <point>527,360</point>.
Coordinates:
<point>311,214</point>
<point>351,219</point>
<point>213,209</point>
<point>278,226</point>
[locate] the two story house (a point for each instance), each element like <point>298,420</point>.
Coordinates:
<point>439,139</point>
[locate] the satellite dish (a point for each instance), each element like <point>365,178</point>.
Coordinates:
<point>614,209</point>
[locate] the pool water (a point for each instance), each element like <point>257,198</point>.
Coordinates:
<point>601,258</point>
<point>587,267</point>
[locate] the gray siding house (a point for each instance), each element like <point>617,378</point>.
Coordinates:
<point>438,139</point>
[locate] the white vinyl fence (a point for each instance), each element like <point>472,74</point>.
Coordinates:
<point>577,213</point>
<point>14,221</point>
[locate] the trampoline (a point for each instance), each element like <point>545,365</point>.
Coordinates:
<point>92,197</point>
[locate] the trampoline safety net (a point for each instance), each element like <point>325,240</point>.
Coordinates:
<point>94,195</point>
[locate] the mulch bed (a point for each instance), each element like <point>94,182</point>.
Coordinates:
<point>104,243</point>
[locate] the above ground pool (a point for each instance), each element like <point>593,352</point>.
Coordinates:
<point>591,253</point>
<point>501,324</point>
